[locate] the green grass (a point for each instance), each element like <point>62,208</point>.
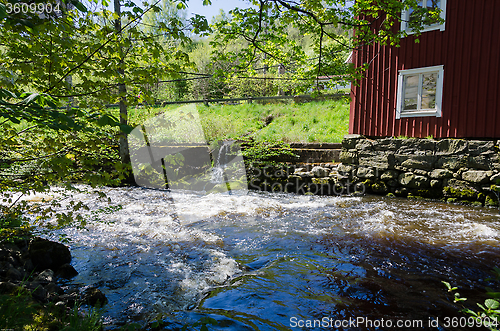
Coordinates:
<point>325,121</point>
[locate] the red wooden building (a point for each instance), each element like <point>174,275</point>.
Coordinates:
<point>447,85</point>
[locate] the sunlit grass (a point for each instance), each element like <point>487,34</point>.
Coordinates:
<point>324,121</point>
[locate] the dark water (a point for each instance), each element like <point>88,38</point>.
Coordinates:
<point>277,262</point>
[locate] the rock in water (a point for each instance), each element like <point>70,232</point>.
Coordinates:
<point>94,296</point>
<point>66,271</point>
<point>46,254</point>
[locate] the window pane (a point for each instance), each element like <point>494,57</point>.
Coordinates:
<point>433,4</point>
<point>411,92</point>
<point>413,16</point>
<point>429,83</point>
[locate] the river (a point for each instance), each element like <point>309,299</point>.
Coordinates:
<point>262,261</point>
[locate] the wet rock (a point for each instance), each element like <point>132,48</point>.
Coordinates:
<point>94,296</point>
<point>45,277</point>
<point>46,254</point>
<point>66,271</point>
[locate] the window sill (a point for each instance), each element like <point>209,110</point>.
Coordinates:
<point>439,27</point>
<point>421,113</point>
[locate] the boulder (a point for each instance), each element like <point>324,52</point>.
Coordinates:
<point>46,254</point>
<point>415,146</point>
<point>67,271</point>
<point>364,145</point>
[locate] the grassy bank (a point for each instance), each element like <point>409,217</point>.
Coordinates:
<point>324,121</point>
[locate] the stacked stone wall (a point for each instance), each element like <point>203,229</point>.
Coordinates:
<point>455,170</point>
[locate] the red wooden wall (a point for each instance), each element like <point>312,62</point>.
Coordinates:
<point>469,49</point>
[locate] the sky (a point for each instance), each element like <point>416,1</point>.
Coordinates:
<point>196,7</point>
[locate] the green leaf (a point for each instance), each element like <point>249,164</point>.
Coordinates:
<point>491,303</point>
<point>80,6</point>
<point>3,11</point>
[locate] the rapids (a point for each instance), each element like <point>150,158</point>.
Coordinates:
<point>261,261</point>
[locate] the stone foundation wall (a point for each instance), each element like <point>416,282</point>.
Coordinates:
<point>454,170</point>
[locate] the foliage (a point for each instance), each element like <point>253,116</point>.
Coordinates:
<point>489,313</point>
<point>18,311</point>
<point>267,36</point>
<point>258,152</point>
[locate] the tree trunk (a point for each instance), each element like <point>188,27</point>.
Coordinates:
<point>122,90</point>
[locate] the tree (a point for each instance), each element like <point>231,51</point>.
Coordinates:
<point>110,58</point>
<point>329,23</point>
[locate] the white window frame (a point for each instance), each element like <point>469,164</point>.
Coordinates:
<point>405,18</point>
<point>439,92</point>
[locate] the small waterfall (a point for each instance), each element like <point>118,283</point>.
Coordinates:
<point>220,163</point>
